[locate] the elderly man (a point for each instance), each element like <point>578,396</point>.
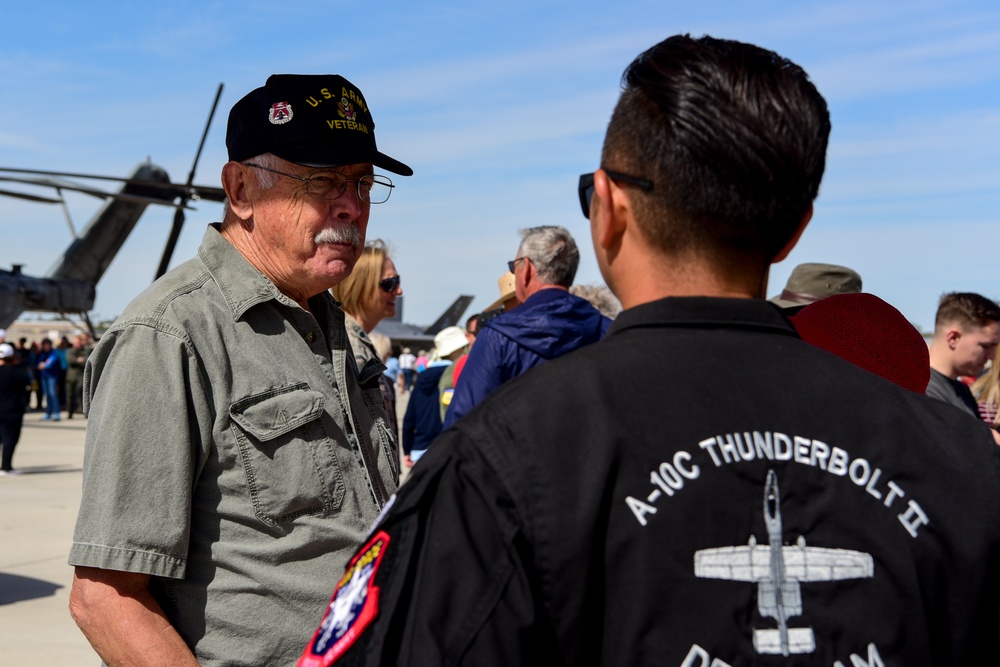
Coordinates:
<point>549,322</point>
<point>701,487</point>
<point>236,455</point>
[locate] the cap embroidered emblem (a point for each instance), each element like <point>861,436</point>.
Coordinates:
<point>346,110</point>
<point>280,113</point>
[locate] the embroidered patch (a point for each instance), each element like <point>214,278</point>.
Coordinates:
<point>346,110</point>
<point>779,570</point>
<point>280,113</point>
<point>353,607</point>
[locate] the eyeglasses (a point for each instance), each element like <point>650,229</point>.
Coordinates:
<point>512,264</point>
<point>331,185</point>
<point>586,187</point>
<point>389,284</point>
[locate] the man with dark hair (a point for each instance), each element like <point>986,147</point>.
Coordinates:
<point>236,454</point>
<point>803,511</point>
<point>966,335</point>
<point>548,323</point>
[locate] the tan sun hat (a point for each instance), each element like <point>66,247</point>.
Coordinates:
<point>507,292</point>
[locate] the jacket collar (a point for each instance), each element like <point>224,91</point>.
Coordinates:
<point>705,312</point>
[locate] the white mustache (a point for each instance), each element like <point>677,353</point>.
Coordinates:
<point>346,234</point>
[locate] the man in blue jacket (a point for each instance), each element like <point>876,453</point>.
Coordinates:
<point>549,322</point>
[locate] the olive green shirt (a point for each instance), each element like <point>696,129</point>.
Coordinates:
<point>235,453</point>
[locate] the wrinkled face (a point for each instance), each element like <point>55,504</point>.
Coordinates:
<point>311,244</point>
<point>388,299</point>
<point>974,347</point>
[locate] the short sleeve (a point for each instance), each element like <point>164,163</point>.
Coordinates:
<point>146,410</point>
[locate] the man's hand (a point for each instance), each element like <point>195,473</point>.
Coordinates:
<point>123,622</point>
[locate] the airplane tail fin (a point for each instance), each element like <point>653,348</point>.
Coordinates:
<point>450,316</point>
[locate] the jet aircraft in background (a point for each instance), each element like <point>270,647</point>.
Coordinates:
<point>417,337</point>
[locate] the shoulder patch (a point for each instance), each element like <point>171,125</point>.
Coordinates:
<point>352,608</point>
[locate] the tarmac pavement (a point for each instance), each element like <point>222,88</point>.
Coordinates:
<point>37,511</point>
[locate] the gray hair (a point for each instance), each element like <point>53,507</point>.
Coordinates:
<point>553,252</point>
<point>265,179</point>
<point>600,297</point>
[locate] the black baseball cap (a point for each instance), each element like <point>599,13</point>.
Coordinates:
<point>316,120</point>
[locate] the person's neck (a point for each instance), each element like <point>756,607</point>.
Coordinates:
<point>940,360</point>
<point>538,287</point>
<point>651,279</point>
<point>367,323</point>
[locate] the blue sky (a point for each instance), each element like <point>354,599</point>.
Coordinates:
<point>498,108</point>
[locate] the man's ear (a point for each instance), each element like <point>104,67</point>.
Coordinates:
<point>795,237</point>
<point>952,336</point>
<point>234,182</point>
<point>613,209</point>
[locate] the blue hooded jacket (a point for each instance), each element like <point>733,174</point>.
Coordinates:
<point>550,323</point>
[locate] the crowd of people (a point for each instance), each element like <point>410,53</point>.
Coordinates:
<point>38,376</point>
<point>55,373</point>
<point>670,470</point>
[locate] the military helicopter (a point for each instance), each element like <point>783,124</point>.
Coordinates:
<point>70,286</point>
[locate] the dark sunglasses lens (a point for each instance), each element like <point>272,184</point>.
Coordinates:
<point>389,284</point>
<point>586,190</point>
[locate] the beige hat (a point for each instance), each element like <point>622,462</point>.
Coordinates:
<point>448,340</point>
<point>812,282</point>
<point>507,292</point>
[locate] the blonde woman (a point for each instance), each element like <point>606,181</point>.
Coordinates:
<point>987,392</point>
<point>368,296</point>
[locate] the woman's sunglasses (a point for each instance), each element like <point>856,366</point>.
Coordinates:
<point>389,284</point>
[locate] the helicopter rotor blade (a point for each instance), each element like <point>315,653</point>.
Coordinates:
<point>42,172</point>
<point>168,249</point>
<point>175,229</point>
<point>29,197</point>
<point>206,192</point>
<point>204,135</point>
<point>100,194</point>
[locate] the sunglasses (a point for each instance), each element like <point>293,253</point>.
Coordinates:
<point>389,284</point>
<point>512,264</point>
<point>586,187</point>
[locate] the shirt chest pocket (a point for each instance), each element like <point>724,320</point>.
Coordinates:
<point>287,454</point>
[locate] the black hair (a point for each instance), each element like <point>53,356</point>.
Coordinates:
<point>733,138</point>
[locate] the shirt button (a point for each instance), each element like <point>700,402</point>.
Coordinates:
<point>310,336</point>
